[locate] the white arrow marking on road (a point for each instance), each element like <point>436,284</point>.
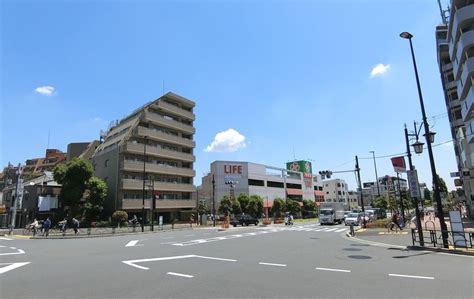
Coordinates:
<point>6,239</point>
<point>271,264</point>
<point>133,243</point>
<point>411,276</point>
<point>133,262</point>
<point>335,270</point>
<point>13,253</point>
<point>180,275</point>
<point>11,266</point>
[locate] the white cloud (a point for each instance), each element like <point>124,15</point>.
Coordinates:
<point>379,69</point>
<point>227,141</point>
<point>45,90</point>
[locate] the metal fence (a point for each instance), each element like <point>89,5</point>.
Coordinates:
<point>434,238</point>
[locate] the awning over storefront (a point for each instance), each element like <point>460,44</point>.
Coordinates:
<point>291,191</point>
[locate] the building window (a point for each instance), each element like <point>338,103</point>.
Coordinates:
<point>106,162</point>
<point>293,186</point>
<point>256,182</point>
<point>275,184</point>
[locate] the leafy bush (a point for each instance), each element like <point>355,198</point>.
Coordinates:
<point>381,223</point>
<point>120,216</point>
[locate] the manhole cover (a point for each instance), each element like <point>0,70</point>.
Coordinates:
<point>401,257</point>
<point>360,245</point>
<point>314,238</point>
<point>359,257</point>
<point>352,249</point>
<point>393,248</point>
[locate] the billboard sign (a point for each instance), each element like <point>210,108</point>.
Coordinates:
<point>301,166</point>
<point>399,164</point>
<point>413,183</point>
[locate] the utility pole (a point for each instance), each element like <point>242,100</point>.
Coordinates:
<point>213,201</point>
<point>360,190</point>
<point>144,179</point>
<point>18,197</point>
<point>376,175</point>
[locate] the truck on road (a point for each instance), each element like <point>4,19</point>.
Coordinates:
<point>331,213</point>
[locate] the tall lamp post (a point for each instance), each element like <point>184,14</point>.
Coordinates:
<point>376,175</point>
<point>437,196</point>
<point>213,201</point>
<point>144,179</point>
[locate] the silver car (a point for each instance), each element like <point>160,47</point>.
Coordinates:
<point>352,218</point>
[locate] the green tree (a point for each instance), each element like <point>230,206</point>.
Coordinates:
<point>244,200</point>
<point>427,197</point>
<point>278,207</point>
<point>443,189</point>
<point>96,194</point>
<point>236,209</point>
<point>225,206</point>
<point>202,207</point>
<point>74,177</point>
<point>380,202</point>
<point>293,207</point>
<point>255,206</point>
<point>309,207</point>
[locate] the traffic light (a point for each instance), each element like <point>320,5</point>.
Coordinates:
<point>325,174</point>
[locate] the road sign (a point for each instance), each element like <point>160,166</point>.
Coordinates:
<point>454,174</point>
<point>413,183</point>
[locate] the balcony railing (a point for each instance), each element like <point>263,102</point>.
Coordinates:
<point>155,151</point>
<point>137,166</point>
<point>175,110</point>
<point>165,137</point>
<point>131,184</point>
<point>160,120</point>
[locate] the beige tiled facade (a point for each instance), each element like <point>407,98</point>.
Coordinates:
<point>165,126</point>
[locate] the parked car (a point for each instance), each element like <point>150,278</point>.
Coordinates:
<point>244,220</point>
<point>352,218</point>
<point>346,213</point>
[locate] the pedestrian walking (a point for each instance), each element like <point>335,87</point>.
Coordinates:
<point>395,219</point>
<point>75,225</point>
<point>46,227</point>
<point>62,225</point>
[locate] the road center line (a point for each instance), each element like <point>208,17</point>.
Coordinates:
<point>180,275</point>
<point>411,276</point>
<point>335,270</point>
<point>12,266</point>
<point>271,264</point>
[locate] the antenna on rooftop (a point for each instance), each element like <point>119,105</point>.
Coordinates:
<point>443,13</point>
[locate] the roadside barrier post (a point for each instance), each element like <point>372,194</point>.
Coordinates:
<point>352,232</point>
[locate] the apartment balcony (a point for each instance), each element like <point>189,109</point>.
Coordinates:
<point>157,135</point>
<point>466,40</point>
<point>175,110</point>
<point>160,152</point>
<point>152,168</point>
<point>161,204</point>
<point>169,123</point>
<point>460,15</point>
<point>130,184</point>
<point>466,75</point>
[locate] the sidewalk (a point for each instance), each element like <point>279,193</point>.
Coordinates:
<point>403,238</point>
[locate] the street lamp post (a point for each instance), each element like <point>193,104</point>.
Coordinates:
<point>376,175</point>
<point>444,229</point>
<point>144,179</point>
<point>213,201</point>
<point>15,203</point>
<point>417,211</point>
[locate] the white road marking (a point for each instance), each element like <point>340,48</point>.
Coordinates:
<point>271,264</point>
<point>133,262</point>
<point>167,238</point>
<point>180,275</point>
<point>14,248</point>
<point>133,243</point>
<point>11,266</point>
<point>411,276</point>
<point>331,229</point>
<point>207,233</point>
<point>340,230</point>
<point>6,239</point>
<point>189,235</point>
<point>335,270</point>
<point>13,253</point>
<point>215,258</point>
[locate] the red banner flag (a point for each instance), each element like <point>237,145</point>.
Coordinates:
<point>399,164</point>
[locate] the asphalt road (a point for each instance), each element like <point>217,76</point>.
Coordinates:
<point>304,261</point>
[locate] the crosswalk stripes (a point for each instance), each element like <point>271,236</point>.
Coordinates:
<point>308,228</point>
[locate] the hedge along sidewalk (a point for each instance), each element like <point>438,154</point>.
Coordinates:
<point>110,231</point>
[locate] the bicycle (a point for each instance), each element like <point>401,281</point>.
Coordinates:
<point>30,230</point>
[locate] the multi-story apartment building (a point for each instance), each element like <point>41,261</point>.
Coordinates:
<point>37,166</point>
<point>151,147</point>
<point>336,190</point>
<point>455,47</point>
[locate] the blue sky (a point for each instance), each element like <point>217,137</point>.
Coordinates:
<point>291,77</point>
